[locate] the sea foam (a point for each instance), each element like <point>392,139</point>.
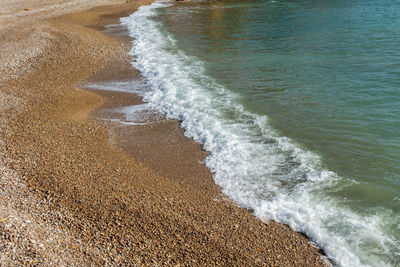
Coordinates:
<point>255,166</point>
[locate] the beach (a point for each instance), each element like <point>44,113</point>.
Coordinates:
<point>78,190</point>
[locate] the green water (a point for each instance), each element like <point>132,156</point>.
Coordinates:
<point>326,74</point>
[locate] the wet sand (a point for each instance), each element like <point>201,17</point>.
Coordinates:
<point>79,190</point>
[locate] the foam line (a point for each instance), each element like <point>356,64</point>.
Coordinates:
<point>256,166</point>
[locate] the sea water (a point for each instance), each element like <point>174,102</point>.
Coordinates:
<point>298,103</point>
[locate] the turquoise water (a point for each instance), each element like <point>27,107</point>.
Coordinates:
<point>298,103</point>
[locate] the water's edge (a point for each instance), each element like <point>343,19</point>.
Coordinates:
<point>261,170</point>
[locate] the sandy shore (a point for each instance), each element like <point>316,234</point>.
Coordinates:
<point>76,190</point>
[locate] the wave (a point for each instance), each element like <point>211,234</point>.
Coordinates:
<point>256,166</point>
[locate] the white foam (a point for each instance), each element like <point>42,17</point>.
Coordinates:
<point>139,114</point>
<point>130,123</point>
<point>136,86</point>
<point>256,167</point>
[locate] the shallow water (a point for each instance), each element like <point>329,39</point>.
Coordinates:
<point>298,103</point>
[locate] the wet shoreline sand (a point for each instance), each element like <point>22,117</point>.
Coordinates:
<point>108,193</point>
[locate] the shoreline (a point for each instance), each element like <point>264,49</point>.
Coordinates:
<point>126,202</point>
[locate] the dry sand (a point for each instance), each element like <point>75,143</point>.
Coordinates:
<point>75,190</point>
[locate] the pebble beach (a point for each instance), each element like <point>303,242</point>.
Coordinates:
<point>77,190</point>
